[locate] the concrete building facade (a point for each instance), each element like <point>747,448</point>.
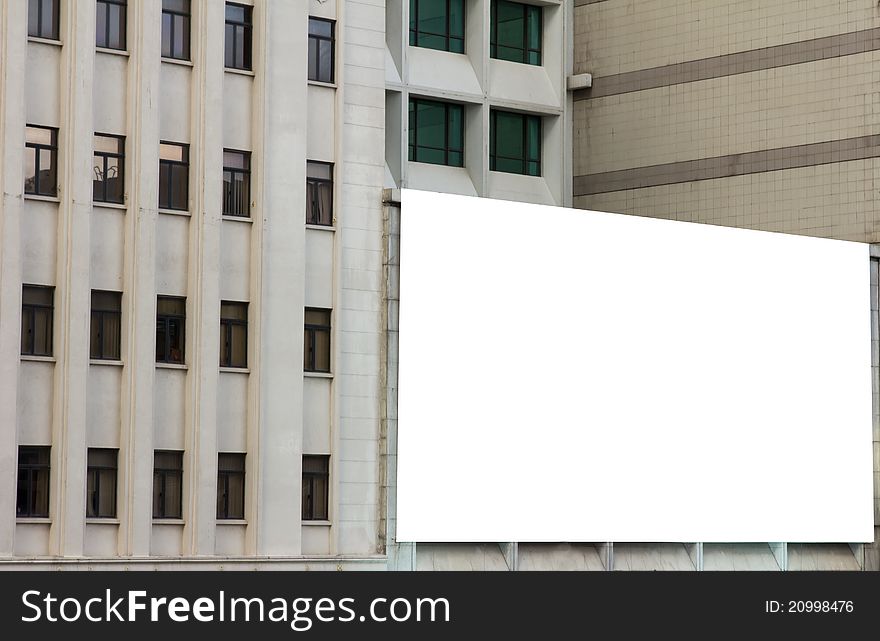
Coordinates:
<point>200,241</point>
<point>741,113</point>
<point>199,236</point>
<point>196,262</point>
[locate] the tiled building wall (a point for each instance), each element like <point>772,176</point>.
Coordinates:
<point>616,36</point>
<point>740,113</point>
<point>763,115</point>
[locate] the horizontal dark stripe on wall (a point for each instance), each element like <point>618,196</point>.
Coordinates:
<point>580,3</point>
<point>753,162</point>
<point>844,44</point>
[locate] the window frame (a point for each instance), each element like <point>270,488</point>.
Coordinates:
<point>309,480</point>
<point>105,156</point>
<point>169,204</point>
<point>332,40</point>
<point>226,345</point>
<point>525,160</point>
<point>233,171</point>
<point>33,471</point>
<point>56,18</point>
<point>94,505</point>
<point>123,5</point>
<point>413,125</point>
<point>162,474</point>
<point>166,318</point>
<point>247,35</point>
<point>50,321</point>
<point>526,49</point>
<point>310,332</point>
<point>415,32</point>
<point>53,155</point>
<point>96,352</point>
<point>187,19</point>
<point>313,185</point>
<point>224,476</point>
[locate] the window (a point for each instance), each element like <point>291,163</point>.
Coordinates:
<point>316,350</point>
<point>516,32</point>
<point>170,327</point>
<point>101,483</point>
<point>320,50</point>
<point>36,320</point>
<point>110,24</point>
<point>43,19</point>
<point>233,334</point>
<point>319,193</point>
<point>315,487</point>
<point>436,132</point>
<point>437,24</point>
<point>236,183</point>
<point>108,168</point>
<point>173,176</point>
<point>41,161</point>
<point>239,28</point>
<point>167,484</point>
<point>515,143</point>
<point>230,486</point>
<point>175,29</point>
<point>106,325</point>
<point>32,496</point>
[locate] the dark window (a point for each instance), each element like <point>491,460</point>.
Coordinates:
<point>436,132</point>
<point>167,484</point>
<point>319,193</point>
<point>41,161</point>
<point>110,24</point>
<point>437,24</point>
<point>106,325</point>
<point>315,487</point>
<point>515,143</point>
<point>516,32</point>
<point>230,486</point>
<point>173,176</point>
<point>108,168</point>
<point>321,50</point>
<point>101,483</point>
<point>239,28</point>
<point>43,19</point>
<point>236,183</point>
<point>233,334</point>
<point>175,29</point>
<point>316,350</point>
<point>170,327</point>
<point>32,496</point>
<point>36,320</point>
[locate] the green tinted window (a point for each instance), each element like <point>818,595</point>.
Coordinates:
<point>436,132</point>
<point>437,24</point>
<point>515,143</point>
<point>516,32</point>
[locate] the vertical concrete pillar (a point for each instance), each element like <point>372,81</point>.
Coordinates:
<point>72,291</point>
<point>388,431</point>
<point>695,552</point>
<point>139,286</point>
<point>203,283</point>
<point>13,47</point>
<point>275,417</point>
<point>780,553</point>
<point>606,553</point>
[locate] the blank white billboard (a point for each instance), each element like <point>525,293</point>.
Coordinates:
<point>570,375</point>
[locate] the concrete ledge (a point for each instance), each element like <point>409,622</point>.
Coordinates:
<point>312,563</point>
